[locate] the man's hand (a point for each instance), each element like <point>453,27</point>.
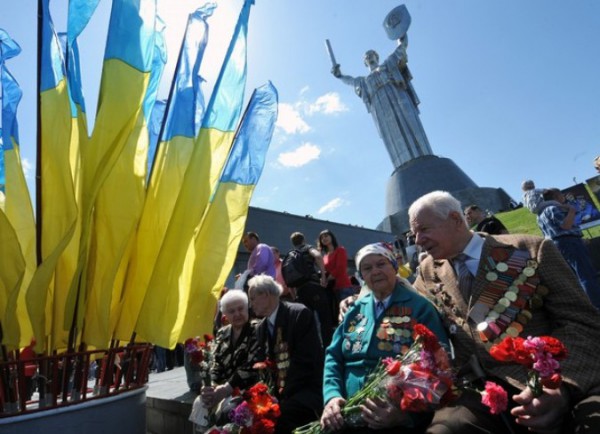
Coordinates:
<point>543,414</point>
<point>346,304</point>
<point>332,419</point>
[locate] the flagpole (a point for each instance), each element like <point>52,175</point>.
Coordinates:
<point>166,114</point>
<point>38,141</point>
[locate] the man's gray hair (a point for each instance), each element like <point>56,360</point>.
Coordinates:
<point>441,203</point>
<point>264,284</point>
<point>232,296</point>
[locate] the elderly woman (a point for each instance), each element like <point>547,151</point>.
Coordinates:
<point>363,338</point>
<point>235,351</point>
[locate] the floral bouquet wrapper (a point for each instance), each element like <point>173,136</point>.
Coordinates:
<point>419,380</point>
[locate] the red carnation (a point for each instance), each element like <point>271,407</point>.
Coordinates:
<point>512,350</point>
<point>429,339</point>
<point>552,382</point>
<point>554,347</point>
<point>393,367</point>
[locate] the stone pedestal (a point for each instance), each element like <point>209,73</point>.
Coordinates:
<point>429,173</point>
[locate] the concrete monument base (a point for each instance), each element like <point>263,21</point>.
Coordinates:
<point>429,173</point>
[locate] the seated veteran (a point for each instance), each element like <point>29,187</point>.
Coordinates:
<point>235,352</point>
<point>288,336</point>
<point>358,344</point>
<point>490,286</point>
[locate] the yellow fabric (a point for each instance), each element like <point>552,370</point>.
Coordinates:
<point>59,208</point>
<point>112,196</point>
<point>19,211</point>
<point>12,269</point>
<point>164,306</point>
<point>216,247</point>
<point>171,162</point>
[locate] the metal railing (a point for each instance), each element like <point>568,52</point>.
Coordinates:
<point>48,382</point>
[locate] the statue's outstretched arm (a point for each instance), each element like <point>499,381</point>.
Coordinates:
<point>337,73</point>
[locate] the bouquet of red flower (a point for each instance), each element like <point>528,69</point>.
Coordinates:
<point>540,355</point>
<point>200,354</point>
<point>256,414</point>
<point>419,380</point>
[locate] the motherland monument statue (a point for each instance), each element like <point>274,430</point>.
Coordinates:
<point>391,100</point>
<point>388,94</point>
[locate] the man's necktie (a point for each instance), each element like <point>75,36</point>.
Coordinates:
<point>379,308</point>
<point>465,278</point>
<point>271,328</point>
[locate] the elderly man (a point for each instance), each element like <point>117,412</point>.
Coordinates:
<point>288,335</point>
<point>490,286</point>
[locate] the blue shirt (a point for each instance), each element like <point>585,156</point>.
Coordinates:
<point>550,221</point>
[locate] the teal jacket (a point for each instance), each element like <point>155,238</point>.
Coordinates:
<point>360,341</point>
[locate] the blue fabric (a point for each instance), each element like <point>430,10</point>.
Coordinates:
<point>550,221</point>
<point>576,254</point>
<point>80,12</point>
<point>225,105</point>
<point>348,363</point>
<point>186,106</point>
<point>132,47</point>
<point>247,157</point>
<point>52,65</point>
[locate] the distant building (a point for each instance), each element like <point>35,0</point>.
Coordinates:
<point>274,228</point>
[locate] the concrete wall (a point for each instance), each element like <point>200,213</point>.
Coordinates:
<point>274,228</point>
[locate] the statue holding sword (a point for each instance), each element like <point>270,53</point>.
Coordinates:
<point>388,94</point>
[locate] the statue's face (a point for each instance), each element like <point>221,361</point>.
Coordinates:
<point>371,58</point>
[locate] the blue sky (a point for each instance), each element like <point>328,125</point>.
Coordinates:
<point>509,90</point>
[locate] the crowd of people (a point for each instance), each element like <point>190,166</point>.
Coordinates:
<point>518,285</point>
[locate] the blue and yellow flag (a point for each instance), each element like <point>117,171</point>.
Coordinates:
<point>167,297</point>
<point>217,242</point>
<point>17,224</point>
<point>179,131</point>
<point>134,59</point>
<point>58,205</point>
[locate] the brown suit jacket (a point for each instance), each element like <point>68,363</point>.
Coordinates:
<point>566,313</point>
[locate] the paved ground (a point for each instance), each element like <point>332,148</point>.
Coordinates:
<point>170,385</point>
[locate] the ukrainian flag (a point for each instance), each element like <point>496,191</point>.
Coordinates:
<point>118,142</point>
<point>58,214</point>
<point>17,225</point>
<point>179,131</point>
<point>217,241</point>
<point>117,212</point>
<point>165,303</point>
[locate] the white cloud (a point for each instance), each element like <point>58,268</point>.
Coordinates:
<point>27,167</point>
<point>306,153</point>
<point>329,103</point>
<point>290,120</point>
<point>332,205</point>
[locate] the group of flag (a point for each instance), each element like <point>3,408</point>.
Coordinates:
<point>137,225</point>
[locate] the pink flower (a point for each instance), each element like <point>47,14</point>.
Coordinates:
<point>546,365</point>
<point>495,397</point>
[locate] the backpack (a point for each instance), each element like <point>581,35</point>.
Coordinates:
<point>298,267</point>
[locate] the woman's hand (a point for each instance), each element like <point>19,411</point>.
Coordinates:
<point>543,414</point>
<point>332,419</point>
<point>379,414</point>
